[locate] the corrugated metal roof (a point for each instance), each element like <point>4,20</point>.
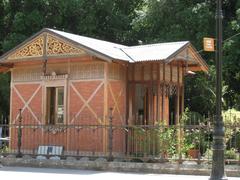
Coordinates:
<point>104,47</point>
<point>111,51</point>
<point>151,52</point>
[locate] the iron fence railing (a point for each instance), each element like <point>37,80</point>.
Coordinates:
<point>148,143</point>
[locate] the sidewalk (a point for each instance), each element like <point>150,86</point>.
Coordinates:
<point>66,174</point>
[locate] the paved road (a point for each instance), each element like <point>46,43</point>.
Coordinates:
<point>20,173</point>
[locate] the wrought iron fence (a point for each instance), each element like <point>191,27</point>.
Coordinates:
<point>141,143</point>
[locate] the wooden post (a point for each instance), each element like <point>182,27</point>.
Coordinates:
<point>158,93</point>
<point>178,97</point>
<point>105,106</point>
<point>126,100</point>
<point>177,105</point>
<point>179,128</point>
<point>142,73</point>
<point>182,89</point>
<point>110,135</point>
<point>163,94</point>
<point>133,96</point>
<point>171,73</point>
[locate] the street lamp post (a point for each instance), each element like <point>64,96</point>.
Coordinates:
<point>218,172</point>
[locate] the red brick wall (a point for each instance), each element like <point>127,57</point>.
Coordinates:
<point>116,100</point>
<point>95,106</point>
<point>26,92</point>
<point>86,139</point>
<point>76,138</point>
<point>21,95</point>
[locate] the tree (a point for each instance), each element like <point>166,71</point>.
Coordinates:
<point>231,66</point>
<point>127,22</point>
<point>171,20</point>
<point>104,19</point>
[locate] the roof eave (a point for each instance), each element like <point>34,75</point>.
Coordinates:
<point>3,57</point>
<point>87,49</point>
<point>201,62</point>
<point>172,56</point>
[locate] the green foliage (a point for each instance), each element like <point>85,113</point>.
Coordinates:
<point>191,118</point>
<point>166,140</point>
<point>231,154</point>
<point>193,20</point>
<point>157,140</point>
<point>194,137</point>
<point>4,94</point>
<point>231,117</point>
<point>208,154</point>
<point>104,19</point>
<point>4,150</point>
<point>191,139</point>
<point>228,154</point>
<point>127,22</point>
<point>231,120</point>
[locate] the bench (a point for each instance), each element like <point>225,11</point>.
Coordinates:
<point>50,150</point>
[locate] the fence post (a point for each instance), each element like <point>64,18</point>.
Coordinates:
<point>19,154</point>
<point>110,135</point>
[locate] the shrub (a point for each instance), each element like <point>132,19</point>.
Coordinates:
<point>156,140</point>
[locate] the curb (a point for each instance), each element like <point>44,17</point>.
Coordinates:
<point>158,168</point>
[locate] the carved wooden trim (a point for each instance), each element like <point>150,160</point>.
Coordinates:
<point>55,46</point>
<point>33,49</point>
<point>54,77</point>
<point>116,72</point>
<point>26,74</point>
<point>86,71</point>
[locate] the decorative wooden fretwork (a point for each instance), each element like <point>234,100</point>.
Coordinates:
<point>55,46</point>
<point>26,74</point>
<point>87,71</point>
<point>32,49</point>
<point>173,90</point>
<point>161,88</point>
<point>116,72</point>
<point>170,89</point>
<point>54,77</point>
<point>167,89</point>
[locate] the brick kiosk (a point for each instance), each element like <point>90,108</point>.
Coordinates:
<point>61,80</point>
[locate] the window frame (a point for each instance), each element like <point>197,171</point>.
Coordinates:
<point>50,93</point>
<point>54,83</point>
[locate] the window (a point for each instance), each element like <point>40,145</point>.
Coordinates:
<point>55,105</point>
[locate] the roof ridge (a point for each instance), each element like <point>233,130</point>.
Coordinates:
<point>86,37</point>
<point>158,44</point>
